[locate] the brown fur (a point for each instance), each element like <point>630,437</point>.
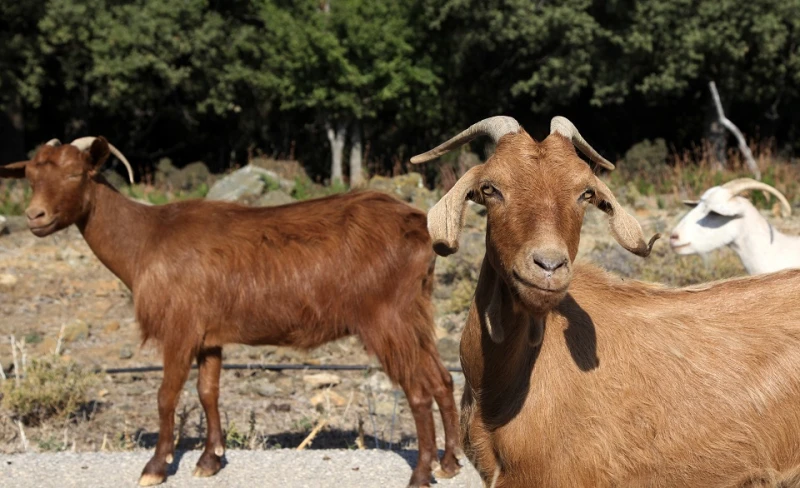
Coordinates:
<point>205,274</point>
<point>601,382</point>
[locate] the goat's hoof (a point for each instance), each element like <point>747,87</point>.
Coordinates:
<point>444,473</point>
<point>448,468</point>
<point>149,479</point>
<point>417,481</point>
<point>209,464</point>
<point>201,472</point>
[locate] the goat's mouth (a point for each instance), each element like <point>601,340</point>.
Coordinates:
<point>677,247</point>
<point>549,287</point>
<point>44,229</point>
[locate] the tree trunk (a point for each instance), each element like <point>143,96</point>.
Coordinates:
<point>356,171</point>
<point>336,138</point>
<point>12,128</point>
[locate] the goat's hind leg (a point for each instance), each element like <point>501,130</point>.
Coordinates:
<point>209,362</point>
<point>177,362</point>
<point>442,389</point>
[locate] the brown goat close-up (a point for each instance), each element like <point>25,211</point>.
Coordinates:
<point>578,378</point>
<point>204,274</point>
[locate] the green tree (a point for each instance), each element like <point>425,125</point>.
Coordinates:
<point>349,62</point>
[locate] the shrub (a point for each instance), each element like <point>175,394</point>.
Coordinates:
<point>48,388</point>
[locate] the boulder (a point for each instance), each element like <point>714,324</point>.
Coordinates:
<point>408,187</point>
<point>274,198</point>
<point>246,183</point>
<point>286,169</point>
<point>189,177</point>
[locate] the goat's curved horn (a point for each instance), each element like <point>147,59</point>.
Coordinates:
<point>84,143</point>
<point>494,127</point>
<point>742,184</point>
<point>562,125</point>
<point>53,142</point>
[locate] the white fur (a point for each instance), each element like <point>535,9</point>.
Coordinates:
<point>722,219</point>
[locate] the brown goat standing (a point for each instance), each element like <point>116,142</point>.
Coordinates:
<point>576,378</point>
<point>205,274</point>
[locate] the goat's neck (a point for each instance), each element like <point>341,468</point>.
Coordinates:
<point>759,244</point>
<point>501,371</point>
<point>115,228</point>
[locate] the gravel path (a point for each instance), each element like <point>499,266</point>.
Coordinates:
<point>284,468</point>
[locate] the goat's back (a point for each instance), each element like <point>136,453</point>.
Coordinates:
<point>299,274</point>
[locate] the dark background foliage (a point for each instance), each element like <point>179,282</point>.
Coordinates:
<point>219,80</point>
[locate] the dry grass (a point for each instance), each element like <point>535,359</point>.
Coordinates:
<point>48,388</point>
<point>689,173</point>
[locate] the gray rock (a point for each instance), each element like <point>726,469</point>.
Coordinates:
<point>385,405</point>
<point>16,223</point>
<point>408,187</point>
<point>448,350</point>
<point>266,390</point>
<point>286,169</point>
<point>190,176</point>
<point>76,330</point>
<point>378,382</point>
<point>247,182</point>
<point>115,179</point>
<point>320,380</point>
<point>244,182</point>
<point>126,352</point>
<point>274,198</point>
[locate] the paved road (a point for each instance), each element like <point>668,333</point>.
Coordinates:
<point>249,469</point>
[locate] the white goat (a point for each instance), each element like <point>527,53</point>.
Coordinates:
<point>722,218</point>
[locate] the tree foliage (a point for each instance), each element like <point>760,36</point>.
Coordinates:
<point>216,79</point>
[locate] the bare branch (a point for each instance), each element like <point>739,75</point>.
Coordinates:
<point>748,156</point>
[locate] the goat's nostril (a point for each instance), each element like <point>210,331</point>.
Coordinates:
<point>549,263</point>
<point>34,213</point>
<point>674,236</point>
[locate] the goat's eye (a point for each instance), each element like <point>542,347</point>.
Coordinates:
<point>487,189</point>
<point>587,195</point>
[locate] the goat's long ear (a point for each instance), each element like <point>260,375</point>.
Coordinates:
<point>624,227</point>
<point>446,218</point>
<point>99,152</point>
<point>13,170</point>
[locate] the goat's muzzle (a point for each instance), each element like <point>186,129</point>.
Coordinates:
<point>542,277</point>
<point>40,222</point>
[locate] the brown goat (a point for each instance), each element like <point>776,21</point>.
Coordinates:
<point>205,274</point>
<point>577,378</point>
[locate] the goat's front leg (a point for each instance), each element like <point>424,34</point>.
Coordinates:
<point>209,362</point>
<point>176,369</point>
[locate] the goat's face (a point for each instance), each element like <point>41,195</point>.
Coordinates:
<point>60,178</point>
<point>713,222</point>
<point>717,219</point>
<point>536,195</point>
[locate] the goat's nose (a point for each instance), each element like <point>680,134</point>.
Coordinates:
<point>549,260</point>
<point>34,213</point>
<point>674,236</point>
